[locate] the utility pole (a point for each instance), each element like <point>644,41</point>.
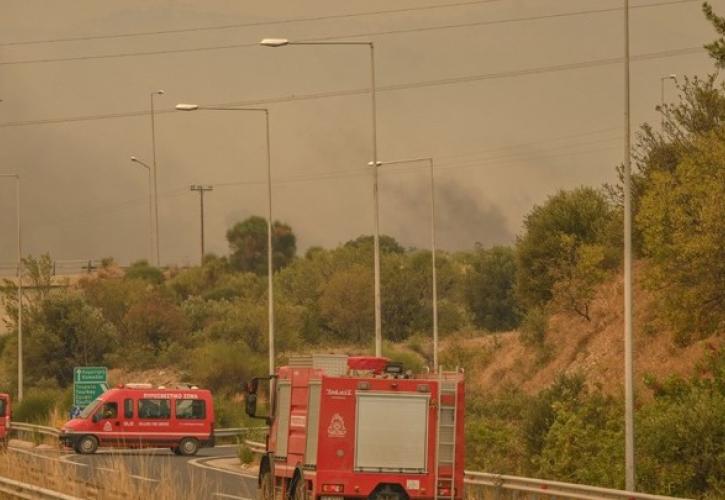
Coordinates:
<point>629,471</point>
<point>20,285</point>
<point>201,189</point>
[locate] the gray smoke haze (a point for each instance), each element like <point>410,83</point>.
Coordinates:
<point>506,127</point>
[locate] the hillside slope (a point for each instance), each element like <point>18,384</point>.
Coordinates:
<point>593,348</point>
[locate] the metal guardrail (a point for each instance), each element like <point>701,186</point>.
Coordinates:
<point>236,431</point>
<point>52,431</point>
<point>486,485</point>
<point>17,489</point>
<point>34,429</point>
<point>480,485</point>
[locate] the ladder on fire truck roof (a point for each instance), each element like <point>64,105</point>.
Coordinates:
<point>445,467</point>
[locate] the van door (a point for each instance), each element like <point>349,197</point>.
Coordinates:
<point>107,423</point>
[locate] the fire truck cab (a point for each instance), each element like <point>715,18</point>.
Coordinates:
<point>141,416</point>
<point>5,414</point>
<point>361,427</point>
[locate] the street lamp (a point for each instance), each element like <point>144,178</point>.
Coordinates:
<point>151,217</point>
<point>156,189</point>
<point>432,245</point>
<point>20,286</point>
<point>270,286</point>
<point>281,42</point>
<point>201,189</point>
<point>672,77</point>
<point>629,463</point>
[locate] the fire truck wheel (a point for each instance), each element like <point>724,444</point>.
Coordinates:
<point>87,445</point>
<point>266,486</point>
<point>188,447</point>
<point>388,492</point>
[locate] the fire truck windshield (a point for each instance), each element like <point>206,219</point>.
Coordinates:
<point>90,409</point>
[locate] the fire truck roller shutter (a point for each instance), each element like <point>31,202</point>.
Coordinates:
<point>313,421</point>
<point>284,389</point>
<point>392,432</point>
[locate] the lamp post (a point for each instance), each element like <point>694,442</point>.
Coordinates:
<point>281,42</point>
<point>629,466</point>
<point>429,161</point>
<point>201,189</point>
<point>672,77</point>
<point>151,216</point>
<point>156,189</point>
<point>270,286</point>
<point>20,285</point>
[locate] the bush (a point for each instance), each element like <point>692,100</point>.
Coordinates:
<point>534,325</point>
<point>245,453</point>
<point>37,405</point>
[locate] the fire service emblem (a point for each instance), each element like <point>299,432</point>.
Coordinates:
<point>337,427</point>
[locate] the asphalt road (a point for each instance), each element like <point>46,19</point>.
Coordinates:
<point>156,466</point>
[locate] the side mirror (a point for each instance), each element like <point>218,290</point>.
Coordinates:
<point>251,404</point>
<point>252,386</point>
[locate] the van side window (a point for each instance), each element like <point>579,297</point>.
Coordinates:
<point>190,409</point>
<point>154,408</point>
<point>2,407</point>
<point>109,411</point>
<point>128,408</point>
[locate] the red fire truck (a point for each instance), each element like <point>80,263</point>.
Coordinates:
<point>5,414</point>
<point>140,416</point>
<point>361,427</point>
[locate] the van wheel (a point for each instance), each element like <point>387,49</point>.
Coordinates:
<point>188,447</point>
<point>266,486</point>
<point>87,445</point>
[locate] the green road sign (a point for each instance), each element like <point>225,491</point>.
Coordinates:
<point>90,375</point>
<point>89,383</point>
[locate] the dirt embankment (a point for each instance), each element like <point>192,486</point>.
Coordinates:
<point>593,348</point>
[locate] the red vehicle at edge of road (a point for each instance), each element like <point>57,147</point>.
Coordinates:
<point>5,414</point>
<point>141,416</point>
<point>361,428</point>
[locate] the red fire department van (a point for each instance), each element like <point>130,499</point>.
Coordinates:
<point>359,427</point>
<point>5,413</point>
<point>141,416</point>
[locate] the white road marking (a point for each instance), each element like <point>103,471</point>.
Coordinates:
<point>105,469</point>
<point>197,462</point>
<point>224,495</point>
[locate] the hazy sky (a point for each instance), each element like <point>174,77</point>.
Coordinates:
<point>511,111</point>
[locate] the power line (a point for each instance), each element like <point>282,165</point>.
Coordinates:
<point>249,25</point>
<point>336,37</point>
<point>384,88</point>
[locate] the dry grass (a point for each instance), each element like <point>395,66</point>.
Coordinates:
<point>56,475</point>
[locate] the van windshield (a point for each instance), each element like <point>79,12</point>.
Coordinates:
<point>90,409</point>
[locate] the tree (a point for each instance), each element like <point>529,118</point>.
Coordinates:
<point>346,304</point>
<point>716,48</point>
<point>142,270</point>
<point>248,244</point>
<point>579,217</point>
<point>387,244</point>
<point>66,332</point>
<point>681,218</point>
<point>579,272</point>
<point>489,289</point>
<point>154,323</point>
